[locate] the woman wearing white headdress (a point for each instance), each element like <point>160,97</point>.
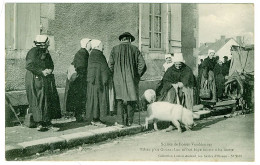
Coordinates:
<point>168,62</point>
<point>76,86</point>
<point>98,77</point>
<point>178,84</point>
<point>40,85</point>
<point>208,78</point>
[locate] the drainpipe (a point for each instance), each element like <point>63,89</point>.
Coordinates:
<point>140,27</point>
<point>15,28</point>
<point>167,29</point>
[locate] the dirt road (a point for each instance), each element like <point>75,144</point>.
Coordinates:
<point>213,139</point>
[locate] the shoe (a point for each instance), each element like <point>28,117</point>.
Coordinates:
<point>129,124</point>
<point>40,127</point>
<point>55,129</point>
<point>119,125</point>
<point>97,123</point>
<point>170,128</point>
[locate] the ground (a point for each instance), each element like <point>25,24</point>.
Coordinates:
<point>213,139</point>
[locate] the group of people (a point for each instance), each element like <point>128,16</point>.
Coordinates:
<point>213,72</point>
<point>179,85</point>
<point>89,80</point>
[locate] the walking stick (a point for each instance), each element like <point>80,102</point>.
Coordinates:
<point>9,103</point>
<point>138,106</point>
<point>139,114</point>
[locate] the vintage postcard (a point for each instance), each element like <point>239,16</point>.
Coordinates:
<point>132,81</point>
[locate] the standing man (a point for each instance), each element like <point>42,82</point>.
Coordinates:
<point>226,66</point>
<point>127,65</point>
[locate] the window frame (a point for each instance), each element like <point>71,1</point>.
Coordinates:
<point>152,32</point>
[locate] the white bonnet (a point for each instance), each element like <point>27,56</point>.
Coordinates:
<point>84,42</point>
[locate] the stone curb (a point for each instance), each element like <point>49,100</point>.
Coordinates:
<point>67,141</point>
<point>76,139</point>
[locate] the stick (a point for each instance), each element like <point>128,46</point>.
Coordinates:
<point>9,103</point>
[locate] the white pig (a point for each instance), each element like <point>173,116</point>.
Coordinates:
<point>165,111</point>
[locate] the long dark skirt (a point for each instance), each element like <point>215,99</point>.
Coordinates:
<point>97,102</point>
<point>75,95</point>
<point>220,85</point>
<point>43,97</point>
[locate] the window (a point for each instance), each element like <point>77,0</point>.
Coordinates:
<point>22,24</point>
<point>155,26</point>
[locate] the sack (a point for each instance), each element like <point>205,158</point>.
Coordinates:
<point>28,120</point>
<point>205,92</point>
<point>72,74</point>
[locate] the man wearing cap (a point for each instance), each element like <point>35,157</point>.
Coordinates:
<point>127,65</point>
<point>208,78</point>
<point>226,66</point>
<point>76,85</point>
<point>40,85</point>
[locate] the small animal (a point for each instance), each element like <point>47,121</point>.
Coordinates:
<point>165,111</point>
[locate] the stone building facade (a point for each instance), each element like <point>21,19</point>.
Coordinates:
<point>158,29</point>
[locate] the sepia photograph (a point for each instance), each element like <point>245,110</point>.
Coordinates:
<point>129,81</point>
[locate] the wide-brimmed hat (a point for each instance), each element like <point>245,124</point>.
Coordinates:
<point>178,57</point>
<point>127,34</point>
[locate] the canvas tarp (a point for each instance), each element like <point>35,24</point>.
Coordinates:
<point>242,60</point>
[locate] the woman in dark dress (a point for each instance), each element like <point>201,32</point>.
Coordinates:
<point>98,78</point>
<point>177,85</point>
<point>208,77</point>
<point>40,85</point>
<point>76,85</point>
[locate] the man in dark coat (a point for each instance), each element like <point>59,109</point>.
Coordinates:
<point>226,66</point>
<point>219,79</point>
<point>98,77</point>
<point>40,85</point>
<point>127,65</point>
<point>76,85</point>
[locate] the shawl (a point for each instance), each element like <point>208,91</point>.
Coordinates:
<point>98,70</point>
<point>184,75</point>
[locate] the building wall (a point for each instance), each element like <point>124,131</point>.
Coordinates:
<point>175,39</point>
<point>66,25</point>
<point>189,34</point>
<point>171,39</point>
<point>22,23</point>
